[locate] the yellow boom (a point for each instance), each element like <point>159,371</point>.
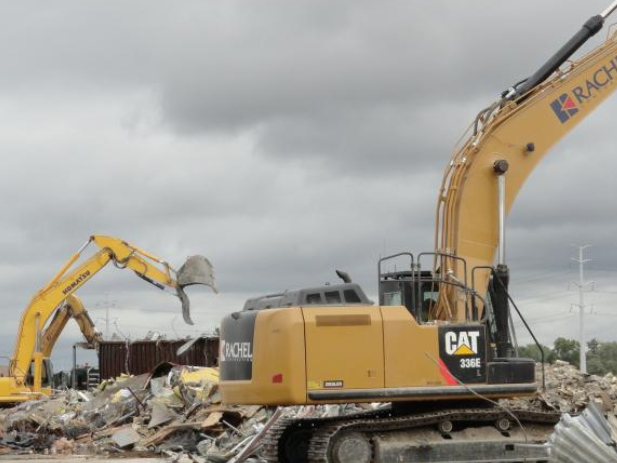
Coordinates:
<point>519,131</point>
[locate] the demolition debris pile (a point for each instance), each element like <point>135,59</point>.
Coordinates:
<point>175,411</point>
<point>569,391</point>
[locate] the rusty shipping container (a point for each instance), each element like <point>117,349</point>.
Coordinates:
<point>137,357</point>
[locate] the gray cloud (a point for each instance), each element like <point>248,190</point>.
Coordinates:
<point>281,139</point>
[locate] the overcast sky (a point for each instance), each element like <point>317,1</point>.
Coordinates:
<point>282,139</point>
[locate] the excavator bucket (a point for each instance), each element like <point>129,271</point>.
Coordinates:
<point>197,270</point>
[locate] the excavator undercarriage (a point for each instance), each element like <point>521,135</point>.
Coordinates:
<point>439,433</point>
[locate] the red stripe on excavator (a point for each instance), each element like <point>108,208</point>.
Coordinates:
<point>443,369</point>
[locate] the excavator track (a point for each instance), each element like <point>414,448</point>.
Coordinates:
<point>380,436</point>
<point>279,435</point>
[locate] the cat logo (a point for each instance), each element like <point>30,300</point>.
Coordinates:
<point>462,342</point>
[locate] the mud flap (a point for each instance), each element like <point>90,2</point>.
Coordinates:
<point>197,270</point>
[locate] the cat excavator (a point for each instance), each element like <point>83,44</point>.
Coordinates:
<point>30,373</point>
<point>439,345</point>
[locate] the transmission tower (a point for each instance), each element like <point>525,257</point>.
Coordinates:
<point>581,303</point>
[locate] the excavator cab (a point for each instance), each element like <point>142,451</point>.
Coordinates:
<point>419,290</point>
<point>416,289</point>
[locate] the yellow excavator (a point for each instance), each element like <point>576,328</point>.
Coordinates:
<point>30,372</point>
<point>73,308</point>
<point>439,346</point>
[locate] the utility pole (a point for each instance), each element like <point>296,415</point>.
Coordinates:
<point>581,304</point>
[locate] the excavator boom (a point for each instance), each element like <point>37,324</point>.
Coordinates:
<point>507,141</point>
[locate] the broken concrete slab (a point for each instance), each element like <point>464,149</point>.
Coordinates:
<point>126,437</point>
<point>161,414</point>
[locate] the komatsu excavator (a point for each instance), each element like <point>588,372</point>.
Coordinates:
<point>438,346</point>
<point>30,372</point>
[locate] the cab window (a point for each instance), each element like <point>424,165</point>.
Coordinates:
<point>333,297</point>
<point>314,298</point>
<point>351,297</point>
<point>393,298</point>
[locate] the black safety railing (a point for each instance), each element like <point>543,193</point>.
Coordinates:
<point>445,277</point>
<point>394,256</point>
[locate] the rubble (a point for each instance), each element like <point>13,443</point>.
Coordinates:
<point>569,391</point>
<point>176,412</point>
<point>126,437</point>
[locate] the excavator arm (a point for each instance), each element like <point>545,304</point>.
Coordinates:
<point>507,141</point>
<point>29,342</point>
<point>73,309</point>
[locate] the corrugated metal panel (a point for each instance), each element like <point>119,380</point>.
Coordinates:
<point>137,357</point>
<point>585,438</point>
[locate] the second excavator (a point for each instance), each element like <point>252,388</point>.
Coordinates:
<point>439,345</point>
<point>73,309</point>
<point>30,372</point>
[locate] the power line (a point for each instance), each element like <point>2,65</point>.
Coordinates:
<point>533,300</point>
<point>604,314</point>
<point>546,319</point>
<point>544,276</point>
<point>550,317</point>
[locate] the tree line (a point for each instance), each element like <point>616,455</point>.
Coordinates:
<point>601,356</point>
